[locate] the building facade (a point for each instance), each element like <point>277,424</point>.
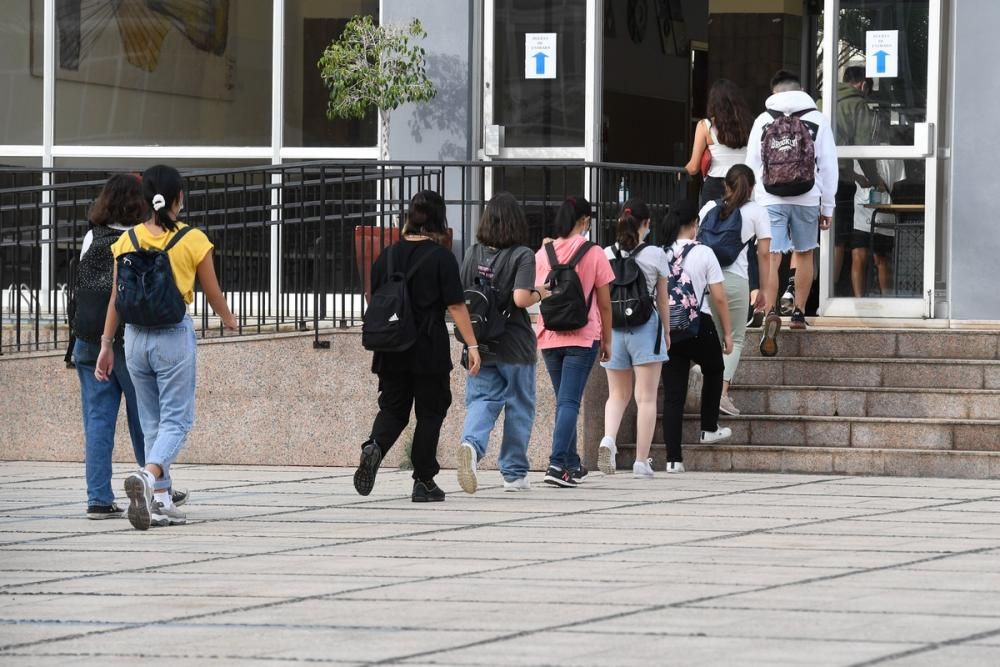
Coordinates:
<point>102,84</point>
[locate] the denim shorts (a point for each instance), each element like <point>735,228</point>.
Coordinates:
<point>636,347</point>
<point>793,227</point>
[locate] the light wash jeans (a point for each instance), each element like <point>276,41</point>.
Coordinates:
<point>569,368</point>
<point>100,402</point>
<point>507,387</point>
<point>161,362</point>
<point>738,298</point>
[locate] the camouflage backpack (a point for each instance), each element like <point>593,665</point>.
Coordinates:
<point>788,152</point>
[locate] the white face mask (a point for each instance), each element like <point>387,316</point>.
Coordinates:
<point>645,234</point>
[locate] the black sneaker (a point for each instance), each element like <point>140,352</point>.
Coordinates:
<point>364,477</point>
<point>111,511</point>
<point>756,319</point>
<point>426,492</point>
<point>580,474</point>
<point>557,477</point>
<point>179,496</point>
<point>798,320</point>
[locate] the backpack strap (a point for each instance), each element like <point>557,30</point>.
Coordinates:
<point>775,114</point>
<point>578,255</point>
<point>550,251</point>
<point>134,239</point>
<point>410,272</point>
<point>181,233</point>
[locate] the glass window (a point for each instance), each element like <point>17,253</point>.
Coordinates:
<point>164,73</point>
<point>881,95</point>
<point>310,25</point>
<point>539,112</point>
<point>21,86</point>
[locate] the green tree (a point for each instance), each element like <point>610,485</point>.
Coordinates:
<point>375,66</point>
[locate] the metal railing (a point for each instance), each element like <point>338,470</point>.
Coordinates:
<point>284,235</point>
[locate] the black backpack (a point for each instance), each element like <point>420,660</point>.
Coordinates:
<point>489,307</point>
<point>90,288</point>
<point>147,292</point>
<point>566,308</point>
<point>389,324</point>
<point>724,237</point>
<point>631,303</point>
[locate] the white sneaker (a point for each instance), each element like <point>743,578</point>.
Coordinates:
<point>788,299</point>
<point>606,456</point>
<point>675,467</point>
<point>166,516</point>
<point>139,489</point>
<point>642,469</point>
<point>724,433</point>
<point>520,484</point>
<point>467,468</point>
<point>726,406</point>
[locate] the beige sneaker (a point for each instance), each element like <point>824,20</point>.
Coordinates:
<point>467,478</point>
<point>726,405</point>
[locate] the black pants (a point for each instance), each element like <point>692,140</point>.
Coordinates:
<point>706,351</point>
<point>713,188</point>
<point>398,393</point>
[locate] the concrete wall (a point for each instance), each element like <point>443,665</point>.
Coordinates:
<point>971,210</point>
<point>265,401</point>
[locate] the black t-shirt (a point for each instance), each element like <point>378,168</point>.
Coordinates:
<point>514,270</point>
<point>435,286</point>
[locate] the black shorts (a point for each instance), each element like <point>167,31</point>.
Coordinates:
<point>883,243</point>
<point>843,214</point>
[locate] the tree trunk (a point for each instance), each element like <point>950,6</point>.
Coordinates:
<point>384,147</point>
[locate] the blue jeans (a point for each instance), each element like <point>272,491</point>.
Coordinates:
<point>161,361</point>
<point>507,387</point>
<point>100,402</point>
<point>569,368</point>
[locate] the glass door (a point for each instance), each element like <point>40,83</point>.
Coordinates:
<point>538,100</point>
<point>880,89</point>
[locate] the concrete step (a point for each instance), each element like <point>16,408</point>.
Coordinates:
<point>881,343</point>
<point>837,461</point>
<point>867,402</point>
<point>856,432</point>
<point>869,372</point>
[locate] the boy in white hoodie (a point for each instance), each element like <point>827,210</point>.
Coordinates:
<point>795,220</point>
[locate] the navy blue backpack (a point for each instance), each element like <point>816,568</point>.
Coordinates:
<point>147,292</point>
<point>724,237</point>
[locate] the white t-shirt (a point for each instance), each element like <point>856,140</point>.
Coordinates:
<point>756,222</point>
<point>701,266</point>
<point>652,261</point>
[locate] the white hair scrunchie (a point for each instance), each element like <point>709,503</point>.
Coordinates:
<point>158,202</point>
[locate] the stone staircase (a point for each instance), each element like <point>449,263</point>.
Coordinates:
<point>856,401</point>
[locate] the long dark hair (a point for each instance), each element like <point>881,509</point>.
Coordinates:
<point>120,202</point>
<point>503,224</point>
<point>166,182</point>
<point>426,215</point>
<point>728,110</point>
<point>571,210</point>
<point>634,212</point>
<point>739,188</point>
<point>682,213</point>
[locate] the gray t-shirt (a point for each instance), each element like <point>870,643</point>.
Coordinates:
<point>515,270</point>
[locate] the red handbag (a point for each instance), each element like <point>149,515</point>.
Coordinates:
<point>706,162</point>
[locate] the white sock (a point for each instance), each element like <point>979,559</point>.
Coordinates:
<point>608,441</point>
<point>164,498</point>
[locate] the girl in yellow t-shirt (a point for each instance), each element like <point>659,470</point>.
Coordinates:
<point>161,360</point>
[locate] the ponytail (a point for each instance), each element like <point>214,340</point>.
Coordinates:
<point>682,213</point>
<point>571,210</point>
<point>633,214</point>
<point>740,182</point>
<point>161,187</point>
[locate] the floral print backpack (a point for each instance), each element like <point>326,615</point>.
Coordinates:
<point>685,303</point>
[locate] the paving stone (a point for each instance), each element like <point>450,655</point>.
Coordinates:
<point>944,345</point>
<point>891,435</point>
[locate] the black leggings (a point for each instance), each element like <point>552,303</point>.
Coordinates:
<point>398,393</point>
<point>706,351</point>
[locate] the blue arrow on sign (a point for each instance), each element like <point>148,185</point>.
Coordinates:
<point>540,62</point>
<point>880,57</point>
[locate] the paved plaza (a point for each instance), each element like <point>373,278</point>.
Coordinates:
<point>290,565</point>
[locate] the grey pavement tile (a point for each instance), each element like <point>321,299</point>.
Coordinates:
<point>719,552</point>
<point>119,609</point>
<point>967,655</point>
<point>458,545</point>
<point>146,554</point>
<point>794,538</point>
<point>17,633</point>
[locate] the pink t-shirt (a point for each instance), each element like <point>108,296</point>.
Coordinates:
<point>594,271</point>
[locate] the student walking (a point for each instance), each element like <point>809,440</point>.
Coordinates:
<point>737,212</point>
<point>794,158</point>
<point>694,271</point>
<point>499,277</point>
<point>417,374</point>
<point>573,328</point>
<point>160,351</point>
<point>640,337</point>
<point>723,135</point>
<point>118,207</point>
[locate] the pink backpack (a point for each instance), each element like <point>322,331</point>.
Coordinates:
<point>788,152</point>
